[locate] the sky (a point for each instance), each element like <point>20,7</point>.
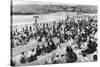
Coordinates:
<point>20,2</point>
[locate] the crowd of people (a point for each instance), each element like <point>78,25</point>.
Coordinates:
<point>82,29</point>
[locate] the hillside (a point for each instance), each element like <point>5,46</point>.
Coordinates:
<point>49,8</point>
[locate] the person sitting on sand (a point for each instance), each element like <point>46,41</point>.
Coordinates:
<point>38,50</point>
<point>23,58</point>
<point>33,56</point>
